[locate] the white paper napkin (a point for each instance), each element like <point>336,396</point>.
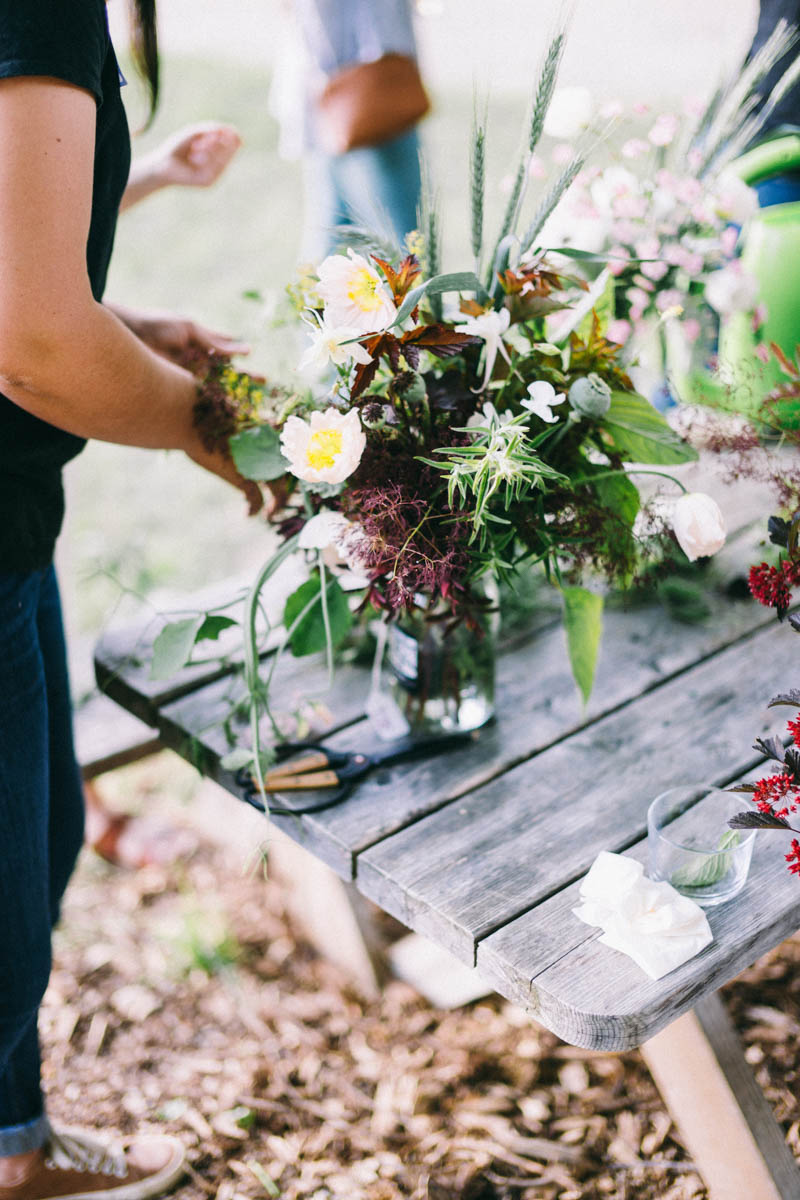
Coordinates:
<point>652,923</point>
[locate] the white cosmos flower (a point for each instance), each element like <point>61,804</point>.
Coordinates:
<point>542,401</point>
<point>333,343</point>
<point>490,326</point>
<point>354,294</point>
<point>325,449</point>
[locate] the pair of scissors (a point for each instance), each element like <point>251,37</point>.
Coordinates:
<point>333,771</point>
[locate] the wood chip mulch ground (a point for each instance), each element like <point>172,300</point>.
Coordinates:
<point>183,999</point>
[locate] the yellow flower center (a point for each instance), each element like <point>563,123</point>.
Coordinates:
<point>363,290</point>
<point>323,447</point>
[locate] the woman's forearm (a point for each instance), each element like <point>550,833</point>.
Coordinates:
<point>91,376</point>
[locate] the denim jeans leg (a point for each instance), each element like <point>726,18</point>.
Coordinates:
<point>35,751</point>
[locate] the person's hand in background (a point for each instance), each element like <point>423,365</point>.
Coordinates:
<point>195,156</point>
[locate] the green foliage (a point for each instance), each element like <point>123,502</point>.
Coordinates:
<point>212,627</point>
<point>257,453</point>
<point>583,625</point>
<point>308,636</point>
<point>173,646</point>
<point>707,869</point>
<point>640,434</point>
<point>458,281</point>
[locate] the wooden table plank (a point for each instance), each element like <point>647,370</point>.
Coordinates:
<point>469,868</point>
<point>555,967</point>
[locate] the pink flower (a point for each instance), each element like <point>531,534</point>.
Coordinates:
<point>669,298</point>
<point>619,331</point>
<point>536,168</point>
<point>644,283</point>
<point>634,148</point>
<point>562,153</point>
<point>760,315</point>
<point>691,329</point>
<point>628,205</point>
<point>637,299</point>
<point>612,109</point>
<point>688,189</point>
<point>695,158</point>
<point>762,353</point>
<point>664,130</point>
<point>640,108</point>
<point>647,247</point>
<point>728,239</point>
<point>618,259</point>
<point>655,270</point>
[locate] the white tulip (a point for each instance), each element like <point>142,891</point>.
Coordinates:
<point>699,525</point>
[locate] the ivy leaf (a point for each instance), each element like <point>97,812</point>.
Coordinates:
<point>757,820</point>
<point>640,434</point>
<point>213,626</point>
<point>309,636</point>
<point>583,625</point>
<point>173,646</point>
<point>257,453</point>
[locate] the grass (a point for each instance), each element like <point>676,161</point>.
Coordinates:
<point>140,521</point>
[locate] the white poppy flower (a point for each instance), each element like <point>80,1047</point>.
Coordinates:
<point>333,344</point>
<point>354,294</point>
<point>326,449</point>
<point>698,524</point>
<point>542,401</point>
<point>490,326</point>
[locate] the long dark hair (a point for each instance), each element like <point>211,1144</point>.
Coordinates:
<point>144,44</point>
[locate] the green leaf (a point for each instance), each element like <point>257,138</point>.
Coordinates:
<point>213,626</point>
<point>618,493</point>
<point>602,306</point>
<point>257,453</point>
<point>459,281</point>
<point>173,646</point>
<point>309,636</point>
<point>583,624</point>
<point>237,758</point>
<point>708,869</point>
<point>641,434</point>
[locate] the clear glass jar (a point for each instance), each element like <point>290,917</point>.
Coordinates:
<point>443,676</point>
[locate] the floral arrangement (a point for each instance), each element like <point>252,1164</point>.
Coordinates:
<point>458,434</point>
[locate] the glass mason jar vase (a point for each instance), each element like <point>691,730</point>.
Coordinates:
<point>443,676</point>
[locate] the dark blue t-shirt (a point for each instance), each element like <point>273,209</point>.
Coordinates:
<point>67,41</point>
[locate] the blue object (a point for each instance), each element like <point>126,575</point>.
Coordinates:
<point>41,832</point>
<point>376,187</point>
<point>779,189</point>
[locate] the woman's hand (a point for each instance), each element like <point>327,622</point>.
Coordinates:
<point>174,337</point>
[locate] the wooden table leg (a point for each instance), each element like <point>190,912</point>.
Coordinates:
<point>333,915</point>
<point>724,1119</point>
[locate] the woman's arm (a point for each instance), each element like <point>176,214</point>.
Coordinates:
<point>63,356</point>
<point>193,157</point>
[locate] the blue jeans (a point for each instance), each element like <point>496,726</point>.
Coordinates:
<point>376,187</point>
<point>41,832</point>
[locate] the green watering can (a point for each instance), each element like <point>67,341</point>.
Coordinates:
<point>771,254</point>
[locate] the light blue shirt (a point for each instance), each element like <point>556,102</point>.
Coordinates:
<point>341,32</point>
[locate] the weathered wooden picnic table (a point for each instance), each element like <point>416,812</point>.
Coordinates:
<point>482,849</point>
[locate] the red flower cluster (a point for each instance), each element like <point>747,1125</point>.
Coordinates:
<point>793,857</point>
<point>771,586</point>
<point>777,795</point>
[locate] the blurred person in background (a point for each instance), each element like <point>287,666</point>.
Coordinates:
<point>71,367</point>
<point>348,96</point>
